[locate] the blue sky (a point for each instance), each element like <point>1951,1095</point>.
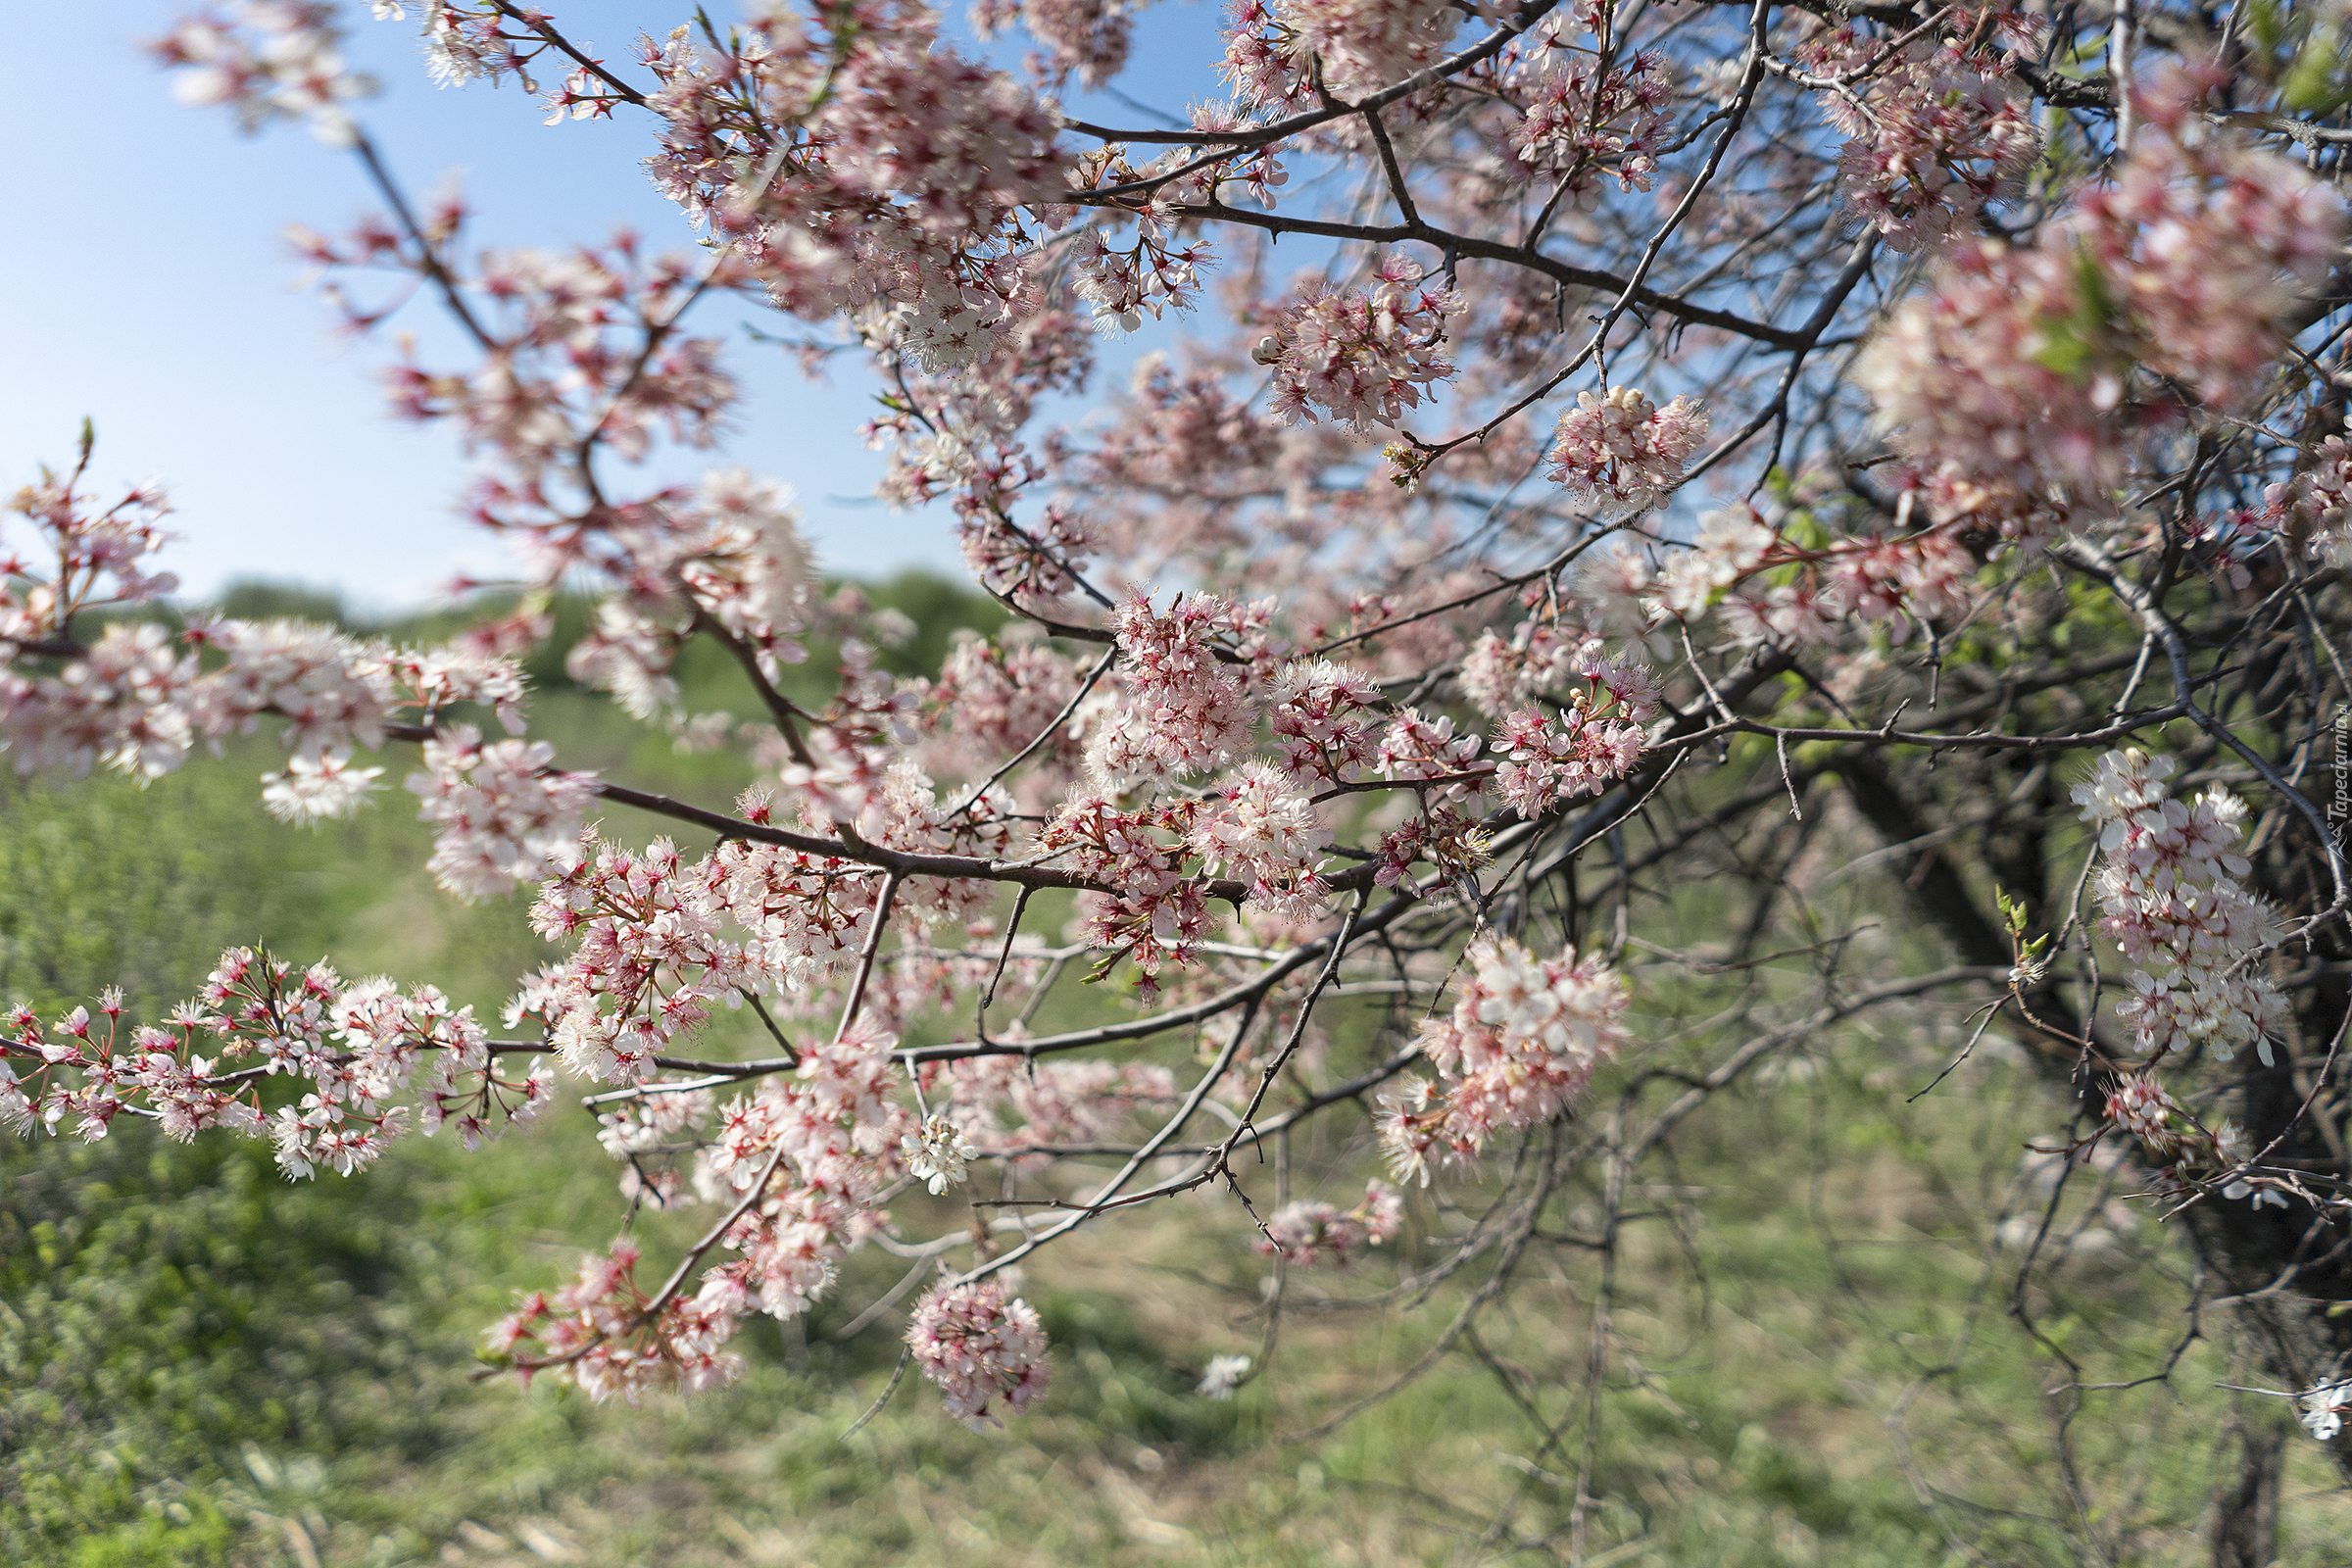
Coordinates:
<point>148,285</point>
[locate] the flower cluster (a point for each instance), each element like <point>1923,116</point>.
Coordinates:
<point>359,1047</point>
<point>852,163</point>
<point>1518,1049</point>
<point>937,1154</point>
<point>465,41</point>
<point>987,1354</point>
<point>2169,885</point>
<point>2315,505</point>
<point>1261,833</point>
<point>1147,278</point>
<point>800,1163</point>
<point>1184,705</point>
<point>2325,1404</point>
<point>805,914</point>
<point>1036,565</point>
<point>269,60</point>
<point>1732,544</point>
<point>98,554</point>
<point>1416,747</point>
<point>1547,761</point>
<point>1362,359</point>
<point>649,958</point>
<point>1222,1376</point>
<point>828,1137</point>
<point>1310,1231</point>
<point>2017,363</point>
<point>1936,131</point>
<point>1158,914</point>
<point>1326,722</point>
<point>1088,37</point>
<point>503,809</point>
<point>2142,1107</point>
<point>1277,53</point>
<point>1539,656</point>
<point>1575,128</point>
<point>610,1337</point>
<point>1620,452</point>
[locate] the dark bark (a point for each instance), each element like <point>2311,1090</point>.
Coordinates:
<point>2246,1533</point>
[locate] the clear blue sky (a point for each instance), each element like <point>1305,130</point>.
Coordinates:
<point>147,284</point>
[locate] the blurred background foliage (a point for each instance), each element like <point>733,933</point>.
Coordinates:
<point>1812,1359</point>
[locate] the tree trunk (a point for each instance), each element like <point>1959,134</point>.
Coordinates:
<point>2246,1533</point>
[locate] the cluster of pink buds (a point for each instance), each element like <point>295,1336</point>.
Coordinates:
<point>1621,453</point>
<point>1362,359</point>
<point>1261,832</point>
<point>2018,364</point>
<point>1310,1231</point>
<point>1185,704</point>
<point>269,60</point>
<point>1519,1048</point>
<point>1547,761</point>
<point>604,1331</point>
<point>987,1354</point>
<point>1278,51</point>
<point>2169,885</point>
<point>1578,128</point>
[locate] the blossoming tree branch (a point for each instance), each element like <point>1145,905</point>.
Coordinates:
<point>1669,426</point>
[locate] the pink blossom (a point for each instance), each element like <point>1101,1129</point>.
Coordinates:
<point>2168,887</point>
<point>2144,1108</point>
<point>277,59</point>
<point>1580,130</point>
<point>1619,451</point>
<point>1549,761</point>
<point>1261,833</point>
<point>1519,1048</point>
<point>1325,718</point>
<point>987,1354</point>
<point>1936,133</point>
<point>2017,366</point>
<point>1184,707</point>
<point>1311,1231</point>
<point>1362,359</point>
<point>1358,45</point>
<point>503,810</point>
